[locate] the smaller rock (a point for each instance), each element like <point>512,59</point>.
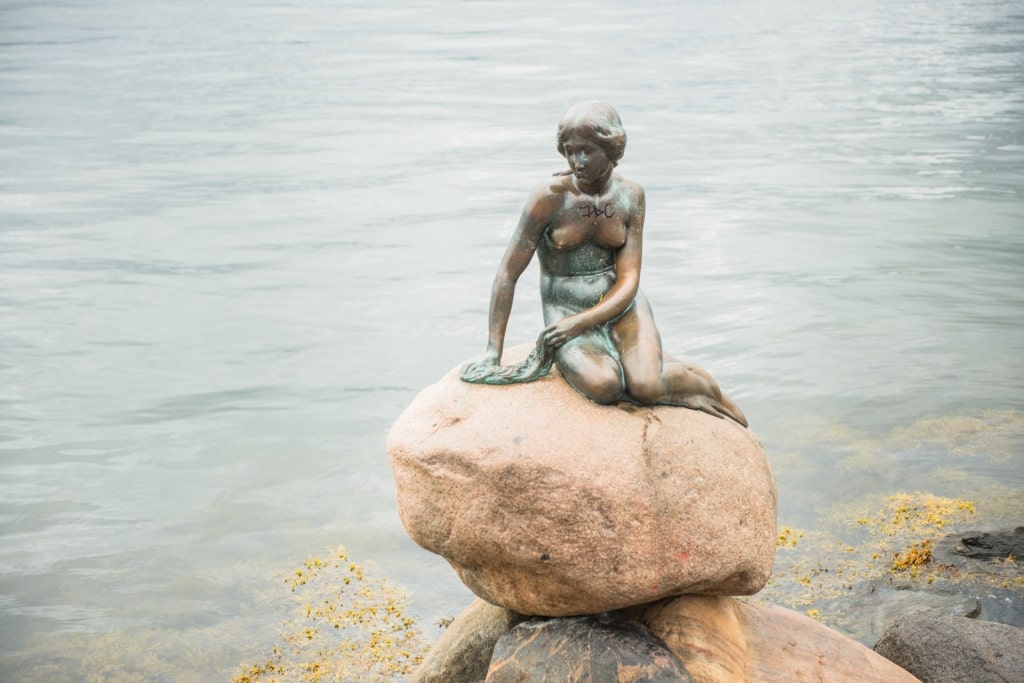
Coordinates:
<point>724,640</point>
<point>463,652</point>
<point>941,648</point>
<point>606,648</point>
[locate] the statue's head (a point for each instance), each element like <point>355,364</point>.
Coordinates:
<point>595,121</point>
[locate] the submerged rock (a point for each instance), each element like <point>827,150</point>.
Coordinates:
<point>972,574</point>
<point>549,504</point>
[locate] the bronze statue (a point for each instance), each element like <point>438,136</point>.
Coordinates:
<point>586,227</point>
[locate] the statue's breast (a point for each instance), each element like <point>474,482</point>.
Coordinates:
<point>584,222</point>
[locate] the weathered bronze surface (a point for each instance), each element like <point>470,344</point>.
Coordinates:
<point>586,227</point>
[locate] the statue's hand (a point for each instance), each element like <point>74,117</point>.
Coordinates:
<point>561,332</point>
<point>479,367</point>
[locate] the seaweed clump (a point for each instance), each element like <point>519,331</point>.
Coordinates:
<point>349,626</point>
<point>898,528</point>
<point>823,571</point>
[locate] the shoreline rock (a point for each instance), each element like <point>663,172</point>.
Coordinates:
<point>718,640</point>
<point>974,548</point>
<point>943,648</point>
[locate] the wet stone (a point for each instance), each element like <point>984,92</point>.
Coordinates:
<point>593,649</point>
<point>980,546</point>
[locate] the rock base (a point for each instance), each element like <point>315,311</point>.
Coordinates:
<point>718,640</point>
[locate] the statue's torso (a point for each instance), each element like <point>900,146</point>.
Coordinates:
<point>578,250</point>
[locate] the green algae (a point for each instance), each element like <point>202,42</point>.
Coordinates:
<point>990,435</point>
<point>993,434</point>
<point>125,656</point>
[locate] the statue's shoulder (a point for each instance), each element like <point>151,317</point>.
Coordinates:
<point>629,187</point>
<point>629,194</point>
<point>552,191</point>
<point>558,184</point>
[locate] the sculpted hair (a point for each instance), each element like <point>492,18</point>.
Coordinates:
<point>598,122</point>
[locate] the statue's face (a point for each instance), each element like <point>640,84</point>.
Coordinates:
<point>587,159</point>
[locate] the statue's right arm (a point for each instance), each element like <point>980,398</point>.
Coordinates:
<point>534,221</point>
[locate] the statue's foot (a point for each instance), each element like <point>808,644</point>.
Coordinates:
<point>721,409</point>
<point>733,411</point>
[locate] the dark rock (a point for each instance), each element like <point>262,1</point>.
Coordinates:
<point>980,546</point>
<point>594,649</point>
<point>463,652</point>
<point>974,565</point>
<point>941,648</point>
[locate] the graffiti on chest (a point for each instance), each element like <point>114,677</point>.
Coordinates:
<point>596,211</point>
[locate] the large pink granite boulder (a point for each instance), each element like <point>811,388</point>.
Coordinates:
<point>549,504</point>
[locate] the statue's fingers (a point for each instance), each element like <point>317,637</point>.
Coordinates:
<point>474,373</point>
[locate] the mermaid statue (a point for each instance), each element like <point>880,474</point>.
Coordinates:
<point>586,226</point>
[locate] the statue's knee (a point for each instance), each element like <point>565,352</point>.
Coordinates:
<point>647,392</point>
<point>605,393</point>
<point>599,387</point>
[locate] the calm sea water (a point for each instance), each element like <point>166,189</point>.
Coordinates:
<point>236,238</point>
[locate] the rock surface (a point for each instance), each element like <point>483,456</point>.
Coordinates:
<point>605,649</point>
<point>463,652</point>
<point>724,640</point>
<point>549,504</point>
<point>718,640</point>
<point>979,546</point>
<point>942,648</point>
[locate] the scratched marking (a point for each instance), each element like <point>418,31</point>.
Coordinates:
<point>595,211</point>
